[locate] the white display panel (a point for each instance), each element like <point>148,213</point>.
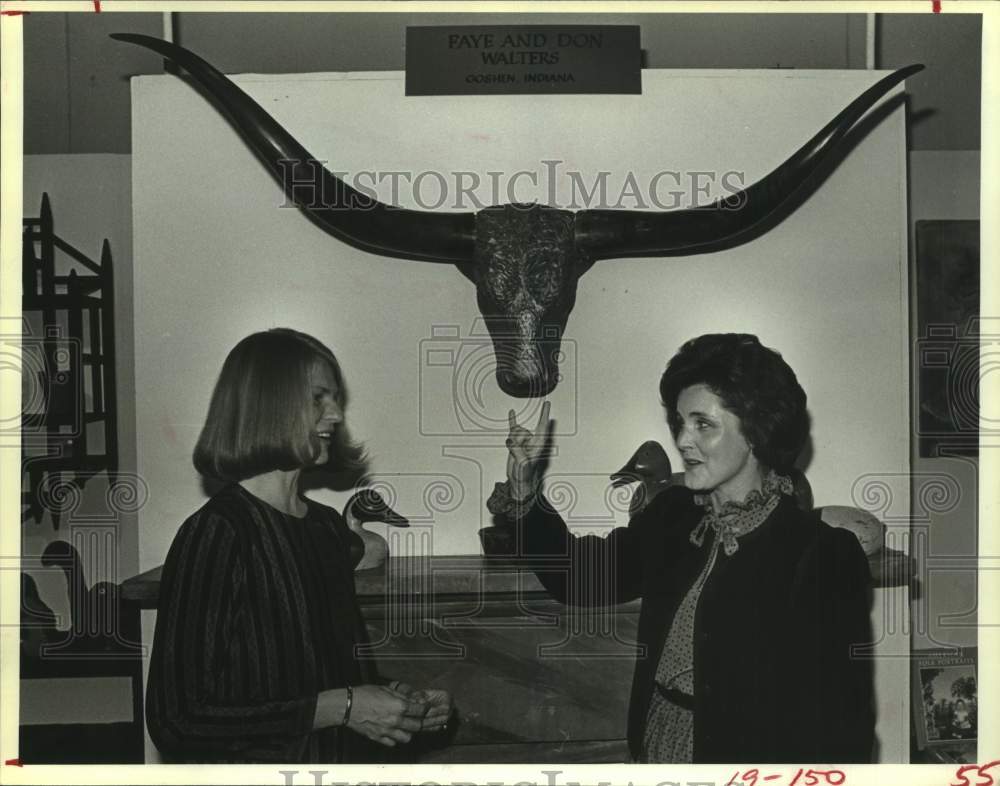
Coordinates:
<point>218,257</point>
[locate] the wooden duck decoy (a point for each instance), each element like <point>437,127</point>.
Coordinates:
<point>62,555</point>
<point>650,468</point>
<point>38,621</point>
<point>94,612</point>
<point>802,490</point>
<point>365,506</point>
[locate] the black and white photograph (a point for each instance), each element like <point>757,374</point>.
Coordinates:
<point>517,390</point>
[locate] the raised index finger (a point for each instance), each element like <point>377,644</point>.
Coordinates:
<point>543,418</point>
<point>511,419</point>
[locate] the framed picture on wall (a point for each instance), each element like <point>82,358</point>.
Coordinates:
<point>945,698</point>
<point>948,333</point>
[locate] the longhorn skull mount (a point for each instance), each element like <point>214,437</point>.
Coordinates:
<point>525,260</point>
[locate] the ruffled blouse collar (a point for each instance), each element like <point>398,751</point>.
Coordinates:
<point>736,519</point>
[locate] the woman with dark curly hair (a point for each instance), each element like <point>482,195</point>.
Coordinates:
<point>254,652</point>
<point>751,607</point>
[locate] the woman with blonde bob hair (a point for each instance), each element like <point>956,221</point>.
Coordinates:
<point>254,653</point>
<point>259,418</point>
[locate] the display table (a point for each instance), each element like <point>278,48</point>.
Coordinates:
<point>533,680</point>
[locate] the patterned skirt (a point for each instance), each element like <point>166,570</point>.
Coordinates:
<point>669,735</point>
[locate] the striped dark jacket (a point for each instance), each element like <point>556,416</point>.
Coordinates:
<point>257,615</point>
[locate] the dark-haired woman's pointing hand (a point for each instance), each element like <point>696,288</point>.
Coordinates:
<point>526,453</point>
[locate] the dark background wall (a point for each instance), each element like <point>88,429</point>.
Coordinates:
<point>77,88</point>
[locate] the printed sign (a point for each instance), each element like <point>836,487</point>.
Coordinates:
<point>524,59</point>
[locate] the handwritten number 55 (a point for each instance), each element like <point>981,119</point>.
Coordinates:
<point>977,771</point>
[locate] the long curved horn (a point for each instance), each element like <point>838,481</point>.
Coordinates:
<point>344,212</point>
<point>723,223</point>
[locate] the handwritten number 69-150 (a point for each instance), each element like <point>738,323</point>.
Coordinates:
<point>801,777</point>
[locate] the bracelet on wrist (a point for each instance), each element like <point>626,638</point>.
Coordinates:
<point>502,501</point>
<point>350,703</point>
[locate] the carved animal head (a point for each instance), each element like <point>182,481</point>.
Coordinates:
<point>526,267</point>
<point>525,260</point>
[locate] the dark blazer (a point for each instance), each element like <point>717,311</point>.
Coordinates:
<point>775,678</point>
